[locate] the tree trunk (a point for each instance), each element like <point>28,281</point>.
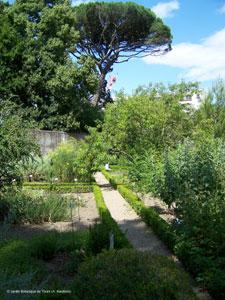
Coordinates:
<point>100,90</point>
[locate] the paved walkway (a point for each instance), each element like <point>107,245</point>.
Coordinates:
<point>140,236</point>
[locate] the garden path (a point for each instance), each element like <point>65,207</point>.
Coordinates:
<point>140,236</point>
<point>137,232</point>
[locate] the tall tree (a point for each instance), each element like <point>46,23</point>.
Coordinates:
<point>37,70</point>
<point>116,32</point>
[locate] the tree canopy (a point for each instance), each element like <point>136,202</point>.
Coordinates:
<point>116,32</point>
<point>36,69</point>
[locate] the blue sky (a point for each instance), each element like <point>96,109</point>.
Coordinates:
<point>198,28</point>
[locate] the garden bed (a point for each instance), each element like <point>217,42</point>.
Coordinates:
<point>87,216</point>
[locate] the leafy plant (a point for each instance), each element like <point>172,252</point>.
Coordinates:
<point>16,144</point>
<point>129,274</point>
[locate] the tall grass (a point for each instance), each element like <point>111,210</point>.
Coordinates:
<point>38,207</point>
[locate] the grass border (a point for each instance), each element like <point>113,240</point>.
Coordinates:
<point>107,219</point>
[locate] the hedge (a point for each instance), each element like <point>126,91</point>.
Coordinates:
<point>37,183</point>
<point>72,188</point>
<point>110,224</point>
<point>149,215</point>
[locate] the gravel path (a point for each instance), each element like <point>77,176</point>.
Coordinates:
<point>139,235</point>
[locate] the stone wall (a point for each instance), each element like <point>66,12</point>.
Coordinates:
<point>49,140</point>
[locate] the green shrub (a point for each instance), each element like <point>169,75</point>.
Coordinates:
<point>99,233</point>
<point>44,247</point>
<point>15,257</point>
<point>23,262</point>
<point>119,167</point>
<point>146,171</point>
<point>191,177</point>
<point>4,209</point>
<point>131,275</point>
<point>14,282</point>
<point>99,237</point>
<point>56,184</point>
<point>16,144</point>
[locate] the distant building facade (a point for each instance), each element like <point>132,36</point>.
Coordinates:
<point>193,101</point>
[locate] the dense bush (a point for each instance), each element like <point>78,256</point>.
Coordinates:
<point>150,118</point>
<point>38,166</point>
<point>24,263</point>
<point>16,144</point>
<point>192,179</point>
<point>131,275</point>
<point>146,171</point>
<point>23,207</point>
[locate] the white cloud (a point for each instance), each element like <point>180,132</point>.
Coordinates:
<point>166,9</point>
<point>222,9</point>
<point>203,61</point>
<point>78,2</point>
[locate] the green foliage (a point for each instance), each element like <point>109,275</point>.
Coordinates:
<point>37,70</point>
<point>44,247</point>
<point>128,274</point>
<point>191,178</point>
<point>16,144</point>
<point>199,173</point>
<point>146,172</point>
<point>99,234</point>
<point>70,161</point>
<point>22,207</point>
<point>37,166</point>
<point>152,118</point>
<point>62,161</point>
<point>14,282</point>
<point>23,263</point>
<point>15,255</point>
<point>209,119</point>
